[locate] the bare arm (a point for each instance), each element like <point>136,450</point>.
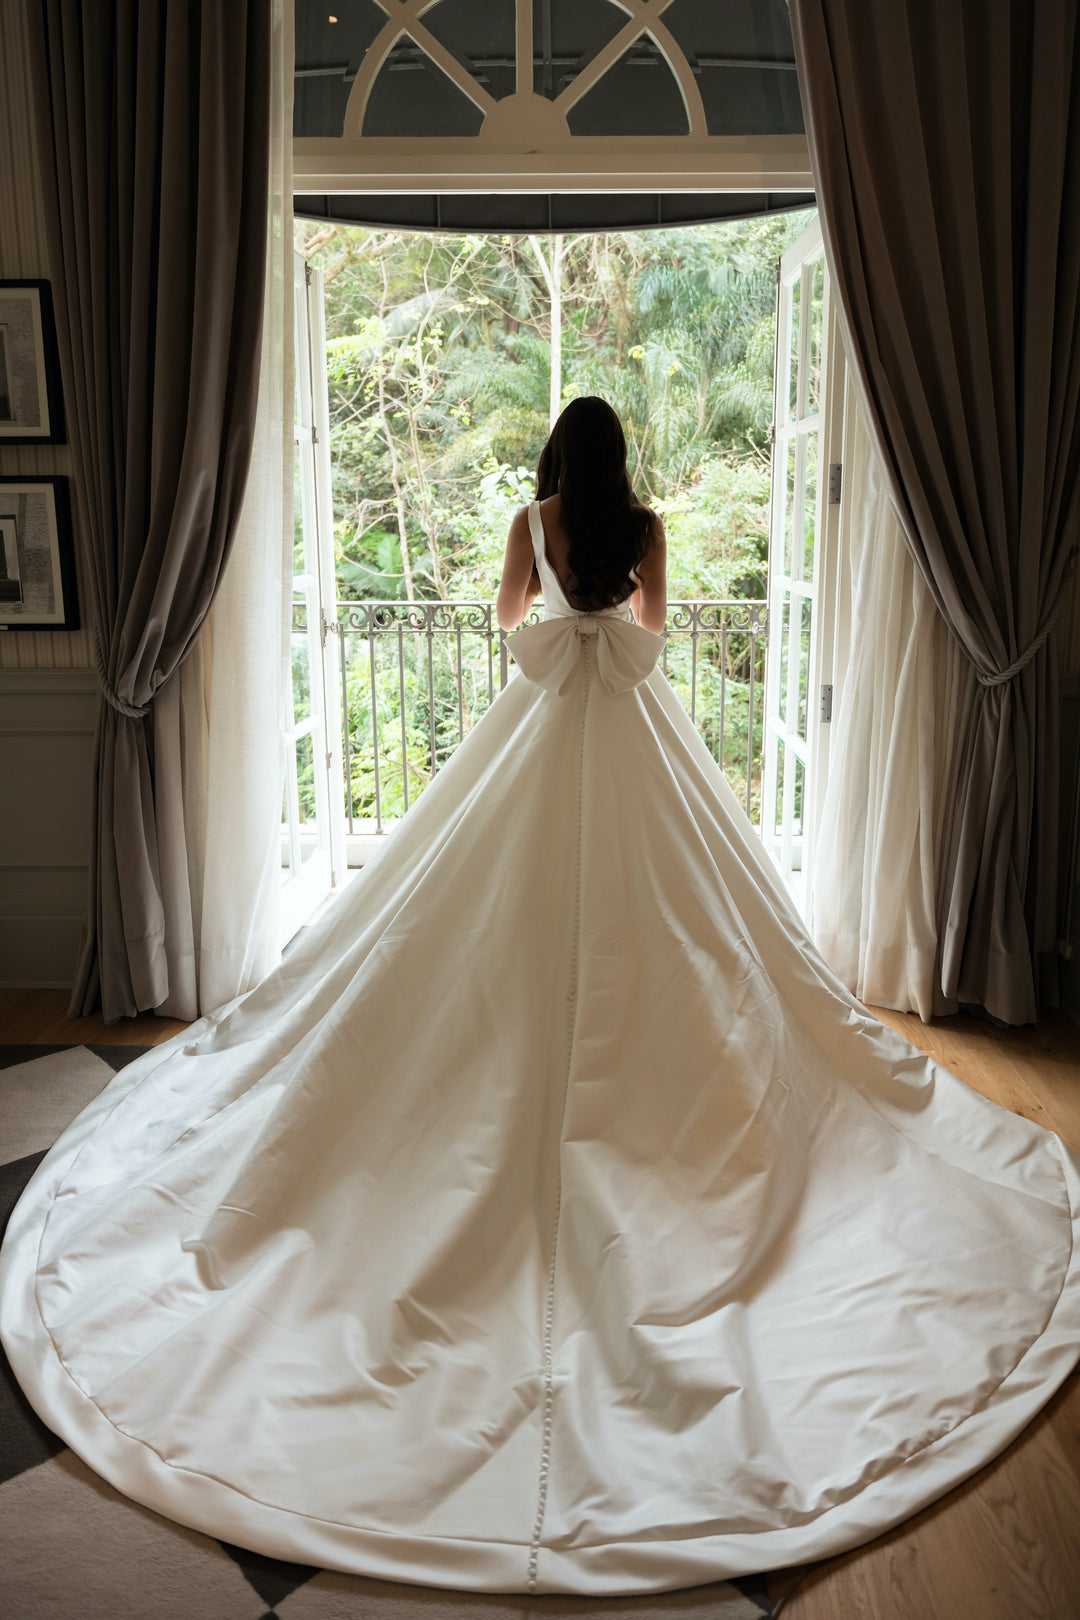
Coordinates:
<point>520,582</point>
<point>649,602</point>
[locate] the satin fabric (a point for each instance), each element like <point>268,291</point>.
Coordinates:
<point>549,653</point>
<point>553,1218</point>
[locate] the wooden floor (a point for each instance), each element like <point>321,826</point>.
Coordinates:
<point>39,1018</point>
<point>1005,1545</point>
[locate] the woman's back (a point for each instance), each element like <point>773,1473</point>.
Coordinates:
<point>557,541</point>
<point>525,557</point>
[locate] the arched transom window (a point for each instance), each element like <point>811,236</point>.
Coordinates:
<point>537,93</point>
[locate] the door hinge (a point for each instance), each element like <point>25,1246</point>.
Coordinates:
<point>329,760</point>
<point>308,274</point>
<point>324,626</point>
<point>315,439</point>
<point>836,479</point>
<point>826,705</point>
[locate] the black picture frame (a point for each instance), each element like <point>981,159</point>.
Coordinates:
<point>31,398</point>
<point>37,554</point>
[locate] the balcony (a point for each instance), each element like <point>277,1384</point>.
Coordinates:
<point>414,678</point>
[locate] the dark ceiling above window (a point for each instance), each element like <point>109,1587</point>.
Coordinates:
<point>744,63</point>
<point>638,96</point>
<point>737,53</point>
<point>481,38</point>
<point>536,213</point>
<point>328,55</point>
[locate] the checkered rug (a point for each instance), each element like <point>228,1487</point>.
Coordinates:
<point>75,1549</point>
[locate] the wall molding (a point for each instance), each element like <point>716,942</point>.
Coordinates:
<point>48,679</point>
<point>48,719</point>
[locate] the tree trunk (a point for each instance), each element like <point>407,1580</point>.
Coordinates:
<point>555,404</point>
<point>399,493</point>
<point>552,274</point>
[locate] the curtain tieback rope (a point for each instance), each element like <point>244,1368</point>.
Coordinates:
<point>113,699</point>
<point>1033,646</point>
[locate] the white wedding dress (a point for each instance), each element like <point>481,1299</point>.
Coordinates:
<point>553,1218</point>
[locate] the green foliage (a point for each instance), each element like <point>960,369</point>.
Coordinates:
<point>439,360</point>
<point>501,491</point>
<point>718,529</point>
<point>438,353</point>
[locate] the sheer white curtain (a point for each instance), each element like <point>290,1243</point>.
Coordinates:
<point>904,696</point>
<point>219,756</point>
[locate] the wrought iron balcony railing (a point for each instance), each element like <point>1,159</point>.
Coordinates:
<point>416,676</point>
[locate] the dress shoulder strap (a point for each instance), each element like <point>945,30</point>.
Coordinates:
<point>536,530</point>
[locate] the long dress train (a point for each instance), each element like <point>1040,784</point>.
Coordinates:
<point>553,1218</point>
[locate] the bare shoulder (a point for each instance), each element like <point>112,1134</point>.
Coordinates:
<point>519,526</point>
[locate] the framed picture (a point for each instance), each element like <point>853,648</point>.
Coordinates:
<point>31,406</point>
<point>37,555</point>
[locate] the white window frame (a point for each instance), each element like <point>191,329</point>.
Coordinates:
<point>313,854</point>
<point>791,848</point>
<point>524,143</point>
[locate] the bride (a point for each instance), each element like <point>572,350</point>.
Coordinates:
<point>553,1218</point>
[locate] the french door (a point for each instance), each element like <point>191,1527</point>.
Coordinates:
<point>807,478</point>
<point>312,831</point>
<point>807,601</point>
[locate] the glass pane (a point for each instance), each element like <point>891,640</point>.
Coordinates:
<point>789,507</point>
<point>793,352</point>
<point>286,842</point>
<point>305,787</point>
<point>778,803</point>
<point>639,96</point>
<point>566,35</point>
<point>301,678</point>
<point>298,511</point>
<point>756,99</point>
<point>482,38</point>
<point>804,663</point>
<point>810,495</point>
<point>412,96</point>
<point>334,37</point>
<point>817,336</point>
<point>785,638</point>
<point>799,788</point>
<point>300,358</point>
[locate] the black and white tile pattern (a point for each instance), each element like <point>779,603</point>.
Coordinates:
<point>75,1549</point>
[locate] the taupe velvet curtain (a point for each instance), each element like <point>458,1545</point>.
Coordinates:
<point>945,142</point>
<point>153,136</point>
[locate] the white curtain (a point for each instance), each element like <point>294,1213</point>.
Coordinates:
<point>219,754</point>
<point>904,696</point>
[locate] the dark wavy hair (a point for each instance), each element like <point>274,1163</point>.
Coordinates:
<point>609,529</point>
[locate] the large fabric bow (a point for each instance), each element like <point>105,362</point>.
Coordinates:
<point>548,654</point>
